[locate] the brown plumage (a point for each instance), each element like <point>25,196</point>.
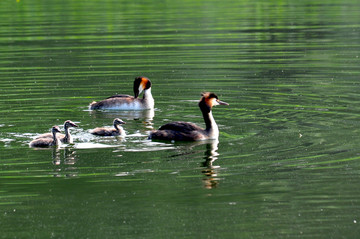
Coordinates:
<point>127,102</point>
<point>64,138</point>
<point>186,131</point>
<point>47,142</point>
<point>116,131</point>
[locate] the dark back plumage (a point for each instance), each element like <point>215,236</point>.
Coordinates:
<point>120,96</point>
<point>185,131</point>
<point>105,131</point>
<point>67,124</point>
<point>46,142</point>
<point>180,126</point>
<point>127,102</point>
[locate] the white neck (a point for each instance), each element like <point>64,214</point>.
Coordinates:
<point>56,141</point>
<point>119,129</point>
<point>147,93</point>
<point>211,126</point>
<point>149,98</point>
<point>68,137</point>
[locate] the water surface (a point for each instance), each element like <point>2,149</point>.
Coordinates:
<point>287,161</point>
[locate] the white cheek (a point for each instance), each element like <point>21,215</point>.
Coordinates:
<point>214,102</point>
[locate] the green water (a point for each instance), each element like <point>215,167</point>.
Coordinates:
<point>287,164</point>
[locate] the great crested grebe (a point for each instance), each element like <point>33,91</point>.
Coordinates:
<point>186,131</point>
<point>64,138</point>
<point>46,142</point>
<point>127,102</point>
<point>116,131</point>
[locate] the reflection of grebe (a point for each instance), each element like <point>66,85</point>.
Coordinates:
<point>143,116</point>
<point>189,131</point>
<point>146,115</point>
<point>46,142</point>
<point>69,156</point>
<point>64,138</point>
<point>127,102</point>
<point>68,163</point>
<point>211,154</point>
<point>116,131</point>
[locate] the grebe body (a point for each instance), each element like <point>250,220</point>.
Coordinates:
<point>64,138</point>
<point>47,142</point>
<point>116,131</point>
<point>187,131</point>
<point>127,102</point>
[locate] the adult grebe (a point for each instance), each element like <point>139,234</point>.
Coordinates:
<point>189,131</point>
<point>64,138</point>
<point>46,142</point>
<point>127,102</point>
<point>116,131</point>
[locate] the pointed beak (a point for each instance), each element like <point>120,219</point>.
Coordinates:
<point>57,129</point>
<point>222,102</point>
<point>72,124</point>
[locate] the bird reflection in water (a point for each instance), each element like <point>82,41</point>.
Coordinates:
<point>146,116</point>
<point>210,171</point>
<point>69,159</point>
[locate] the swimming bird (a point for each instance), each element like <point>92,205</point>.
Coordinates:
<point>64,138</point>
<point>186,131</point>
<point>127,102</point>
<point>47,142</point>
<point>116,131</point>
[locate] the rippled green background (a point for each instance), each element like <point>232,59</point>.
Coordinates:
<point>288,161</point>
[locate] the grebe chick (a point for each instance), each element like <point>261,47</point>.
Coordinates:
<point>116,131</point>
<point>127,102</point>
<point>186,131</point>
<point>64,138</point>
<point>47,142</point>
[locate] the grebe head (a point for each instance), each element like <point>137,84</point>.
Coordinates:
<point>55,129</point>
<point>69,123</point>
<point>118,121</point>
<point>141,83</point>
<point>208,100</point>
